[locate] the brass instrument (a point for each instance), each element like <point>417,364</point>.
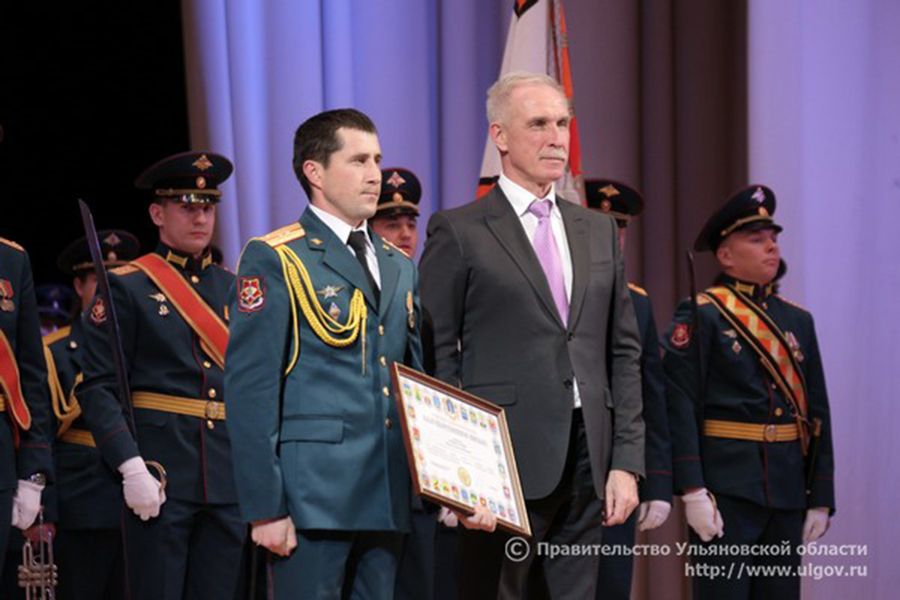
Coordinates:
<point>38,574</point>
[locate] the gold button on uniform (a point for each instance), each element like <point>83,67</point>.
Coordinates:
<point>388,423</point>
<point>385,391</point>
<point>383,361</point>
<point>73,344</point>
<point>211,393</point>
<point>195,279</point>
<point>779,411</point>
<point>381,330</point>
<point>207,364</point>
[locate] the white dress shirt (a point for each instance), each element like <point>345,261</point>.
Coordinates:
<point>521,199</point>
<point>342,230</point>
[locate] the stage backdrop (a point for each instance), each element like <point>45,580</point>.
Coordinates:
<point>687,100</point>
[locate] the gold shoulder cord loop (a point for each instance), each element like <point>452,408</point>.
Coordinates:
<point>65,409</point>
<point>302,292</point>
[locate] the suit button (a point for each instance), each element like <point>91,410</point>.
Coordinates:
<point>207,364</point>
<point>195,279</point>
<point>211,393</point>
<point>568,384</point>
<point>779,411</point>
<point>381,330</point>
<point>383,361</point>
<point>388,423</point>
<point>385,391</point>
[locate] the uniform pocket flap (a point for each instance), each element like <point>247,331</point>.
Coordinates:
<point>312,429</point>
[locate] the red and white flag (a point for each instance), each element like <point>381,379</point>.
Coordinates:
<point>538,43</point>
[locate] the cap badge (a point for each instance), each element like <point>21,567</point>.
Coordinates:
<point>112,240</point>
<point>763,212</point>
<point>201,182</point>
<point>606,206</point>
<point>398,197</point>
<point>396,180</point>
<point>759,195</point>
<point>610,190</point>
<point>111,256</point>
<point>202,163</point>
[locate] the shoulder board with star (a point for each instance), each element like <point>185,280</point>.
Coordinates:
<point>388,244</point>
<point>637,289</point>
<point>286,234</point>
<point>61,333</point>
<point>791,302</point>
<point>125,269</point>
<point>12,244</point>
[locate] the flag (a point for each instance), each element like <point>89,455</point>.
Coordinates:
<point>538,43</point>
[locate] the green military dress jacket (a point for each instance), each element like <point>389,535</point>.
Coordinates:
<point>311,414</point>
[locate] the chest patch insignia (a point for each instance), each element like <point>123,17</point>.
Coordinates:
<point>330,291</point>
<point>98,311</point>
<point>681,335</point>
<point>251,294</point>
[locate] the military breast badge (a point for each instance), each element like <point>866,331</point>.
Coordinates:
<point>330,291</point>
<point>410,310</point>
<point>681,335</point>
<point>251,294</point>
<point>6,295</point>
<point>794,345</point>
<point>98,311</point>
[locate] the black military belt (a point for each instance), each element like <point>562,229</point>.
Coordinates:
<point>753,432</point>
<point>81,437</point>
<point>211,410</point>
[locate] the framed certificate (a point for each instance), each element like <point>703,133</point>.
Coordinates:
<point>459,451</point>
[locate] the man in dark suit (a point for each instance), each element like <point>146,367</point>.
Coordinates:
<point>321,310</point>
<point>531,311</point>
<point>622,202</point>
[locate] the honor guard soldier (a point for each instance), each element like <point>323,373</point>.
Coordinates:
<point>748,410</point>
<point>320,311</point>
<point>87,496</point>
<point>623,202</point>
<point>183,539</point>
<point>398,209</point>
<point>26,462</point>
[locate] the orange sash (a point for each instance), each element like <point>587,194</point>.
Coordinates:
<point>11,386</point>
<point>193,309</point>
<point>764,336</point>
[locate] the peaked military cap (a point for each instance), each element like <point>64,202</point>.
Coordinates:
<point>400,193</point>
<point>618,200</point>
<point>116,245</point>
<point>750,209</point>
<point>55,302</point>
<point>191,177</point>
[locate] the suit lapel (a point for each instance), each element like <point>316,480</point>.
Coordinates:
<point>336,255</point>
<point>577,234</point>
<point>388,270</point>
<point>504,223</point>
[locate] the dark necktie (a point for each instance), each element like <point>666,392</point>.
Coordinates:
<point>357,241</point>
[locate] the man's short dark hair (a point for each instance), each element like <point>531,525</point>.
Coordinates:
<point>316,138</point>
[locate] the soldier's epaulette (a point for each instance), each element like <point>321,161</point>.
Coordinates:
<point>702,299</point>
<point>55,336</point>
<point>388,244</point>
<point>791,302</point>
<point>125,269</point>
<point>12,244</point>
<point>637,289</point>
<point>286,234</point>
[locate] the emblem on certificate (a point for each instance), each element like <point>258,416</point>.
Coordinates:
<point>459,450</point>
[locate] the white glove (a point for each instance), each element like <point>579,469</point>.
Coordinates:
<point>702,514</point>
<point>447,517</point>
<point>26,504</point>
<point>816,524</point>
<point>143,493</point>
<point>652,514</point>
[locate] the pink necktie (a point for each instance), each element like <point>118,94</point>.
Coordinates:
<point>548,253</point>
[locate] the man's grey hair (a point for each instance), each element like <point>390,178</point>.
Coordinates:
<point>499,93</point>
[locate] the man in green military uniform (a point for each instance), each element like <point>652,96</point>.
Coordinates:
<point>320,311</point>
<point>184,541</point>
<point>26,463</point>
<point>623,202</point>
<point>87,498</point>
<point>748,410</point>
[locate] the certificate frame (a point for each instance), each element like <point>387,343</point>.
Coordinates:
<point>509,506</point>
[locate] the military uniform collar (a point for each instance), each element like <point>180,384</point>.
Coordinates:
<point>756,292</point>
<point>184,262</point>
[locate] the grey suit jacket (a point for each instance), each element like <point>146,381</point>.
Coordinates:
<point>497,334</point>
